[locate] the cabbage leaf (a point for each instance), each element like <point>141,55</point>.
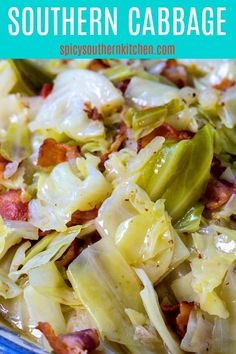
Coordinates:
<point>152,306</point>
<point>51,284</point>
<point>141,230</point>
<point>67,189</point>
<point>107,286</point>
<point>63,110</point>
<point>54,250</point>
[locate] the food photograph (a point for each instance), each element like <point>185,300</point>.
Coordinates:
<point>118,206</point>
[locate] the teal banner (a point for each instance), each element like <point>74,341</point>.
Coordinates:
<point>118,29</point>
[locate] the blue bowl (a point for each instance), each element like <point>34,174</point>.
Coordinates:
<point>12,343</point>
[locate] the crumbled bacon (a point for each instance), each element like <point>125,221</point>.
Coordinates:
<point>65,61</point>
<point>52,153</point>
<point>216,168</point>
<point>167,131</point>
<point>92,112</point>
<point>81,217</point>
<point>122,85</point>
<point>46,90</point>
<point>97,65</point>
<point>76,247</point>
<point>183,317</point>
<point>44,233</point>
<point>218,193</point>
<point>225,84</point>
<point>178,315</point>
<point>80,342</point>
<point>73,251</point>
<point>13,206</point>
<point>3,164</point>
<point>120,138</point>
<point>175,72</point>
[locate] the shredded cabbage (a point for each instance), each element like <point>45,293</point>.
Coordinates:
<point>53,251</point>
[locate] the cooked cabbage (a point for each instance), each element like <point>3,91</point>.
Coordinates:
<point>66,189</point>
<point>53,251</point>
<point>144,180</point>
<point>107,286</point>
<point>63,110</point>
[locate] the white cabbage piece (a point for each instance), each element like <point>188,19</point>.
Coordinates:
<point>15,312</point>
<point>182,288</point>
<point>142,231</point>
<point>228,209</point>
<point>79,319</point>
<point>12,232</point>
<point>116,166</point>
<point>8,289</point>
<point>126,201</point>
<point>54,250</point>
<point>185,119</point>
<point>52,284</point>
<point>23,229</point>
<point>126,164</point>
<point>224,336</point>
<point>66,189</point>
<point>199,334</point>
<point>208,271</point>
<point>225,242</point>
<point>229,175</point>
<point>145,154</point>
<point>146,93</point>
<point>8,78</point>
<point>228,113</point>
<point>152,307</point>
<point>216,70</point>
<point>44,309</point>
<point>107,287</point>
<point>63,110</point>
<point>11,109</point>
<point>19,256</point>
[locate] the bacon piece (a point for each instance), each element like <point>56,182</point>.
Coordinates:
<point>73,251</point>
<point>76,247</point>
<point>218,193</point>
<point>175,72</point>
<point>216,168</point>
<point>3,164</point>
<point>178,315</point>
<point>167,131</point>
<point>12,206</point>
<point>97,65</point>
<point>44,233</point>
<point>122,85</point>
<point>225,84</point>
<point>121,136</point>
<point>65,61</point>
<point>183,317</point>
<point>46,90</point>
<point>79,342</point>
<point>52,153</point>
<point>81,217</point>
<point>92,112</point>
